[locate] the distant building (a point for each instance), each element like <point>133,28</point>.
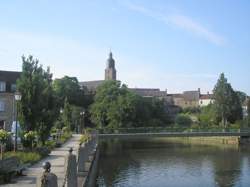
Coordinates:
<point>205,99</point>
<point>7,99</point>
<point>110,74</point>
<point>187,99</point>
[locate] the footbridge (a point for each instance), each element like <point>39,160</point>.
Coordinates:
<point>172,132</point>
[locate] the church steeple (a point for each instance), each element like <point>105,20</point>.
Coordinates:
<point>110,71</point>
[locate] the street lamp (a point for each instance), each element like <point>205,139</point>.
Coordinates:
<point>18,97</point>
<point>82,116</point>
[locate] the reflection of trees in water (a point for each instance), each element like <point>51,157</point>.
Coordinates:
<point>118,156</point>
<point>227,167</point>
<point>115,157</point>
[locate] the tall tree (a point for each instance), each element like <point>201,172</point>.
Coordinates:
<point>68,87</point>
<point>113,105</point>
<point>248,111</point>
<point>67,115</point>
<point>242,96</point>
<point>227,103</point>
<point>116,106</point>
<point>37,107</point>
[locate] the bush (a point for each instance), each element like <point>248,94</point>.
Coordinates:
<point>65,136</point>
<point>42,151</point>
<point>50,144</point>
<point>84,138</point>
<point>28,139</point>
<point>24,157</point>
<point>183,120</point>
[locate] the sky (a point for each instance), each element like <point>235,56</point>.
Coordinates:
<point>173,45</point>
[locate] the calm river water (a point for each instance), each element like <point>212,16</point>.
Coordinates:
<point>160,163</point>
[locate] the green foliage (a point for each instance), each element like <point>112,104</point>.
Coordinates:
<point>248,112</point>
<point>43,151</point>
<point>183,120</point>
<point>4,136</point>
<point>24,157</point>
<point>29,139</point>
<point>84,137</point>
<point>207,116</point>
<point>115,106</point>
<point>242,96</point>
<point>227,103</point>
<point>191,110</point>
<point>38,105</point>
<point>67,114</point>
<point>68,87</point>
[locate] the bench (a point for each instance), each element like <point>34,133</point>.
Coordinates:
<point>11,166</point>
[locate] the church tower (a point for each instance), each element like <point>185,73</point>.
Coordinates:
<point>110,71</point>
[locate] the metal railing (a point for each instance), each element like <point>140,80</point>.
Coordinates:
<point>170,130</point>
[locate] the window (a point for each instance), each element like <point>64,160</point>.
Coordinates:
<point>2,124</point>
<point>2,106</point>
<point>13,87</point>
<point>2,86</point>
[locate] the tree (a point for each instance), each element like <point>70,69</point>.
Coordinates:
<point>183,120</point>
<point>226,102</point>
<point>67,115</point>
<point>248,111</point>
<point>207,116</point>
<point>37,106</point>
<point>68,87</point>
<point>114,105</point>
<point>242,96</point>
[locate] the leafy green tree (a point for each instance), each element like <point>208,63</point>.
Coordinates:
<point>67,115</point>
<point>227,104</point>
<point>248,111</point>
<point>114,105</point>
<point>242,96</point>
<point>37,107</point>
<point>68,87</point>
<point>207,116</point>
<point>183,120</point>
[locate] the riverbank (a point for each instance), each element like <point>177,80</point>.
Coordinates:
<point>216,140</point>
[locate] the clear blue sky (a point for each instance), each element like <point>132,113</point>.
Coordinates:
<point>174,45</point>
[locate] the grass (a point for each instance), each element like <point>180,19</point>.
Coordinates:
<point>24,157</point>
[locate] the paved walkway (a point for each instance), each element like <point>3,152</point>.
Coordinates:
<point>56,158</point>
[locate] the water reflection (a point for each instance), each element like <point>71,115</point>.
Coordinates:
<point>156,163</point>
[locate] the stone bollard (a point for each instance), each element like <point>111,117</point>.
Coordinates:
<point>47,179</point>
<point>82,158</point>
<point>71,170</point>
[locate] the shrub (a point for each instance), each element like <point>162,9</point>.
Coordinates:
<point>29,139</point>
<point>50,144</point>
<point>24,157</point>
<point>183,120</point>
<point>65,136</point>
<point>43,151</point>
<point>84,137</point>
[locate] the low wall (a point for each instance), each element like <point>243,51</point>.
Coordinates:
<point>217,140</point>
<point>90,180</point>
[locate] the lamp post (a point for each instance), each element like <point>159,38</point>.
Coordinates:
<point>82,116</point>
<point>18,97</point>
